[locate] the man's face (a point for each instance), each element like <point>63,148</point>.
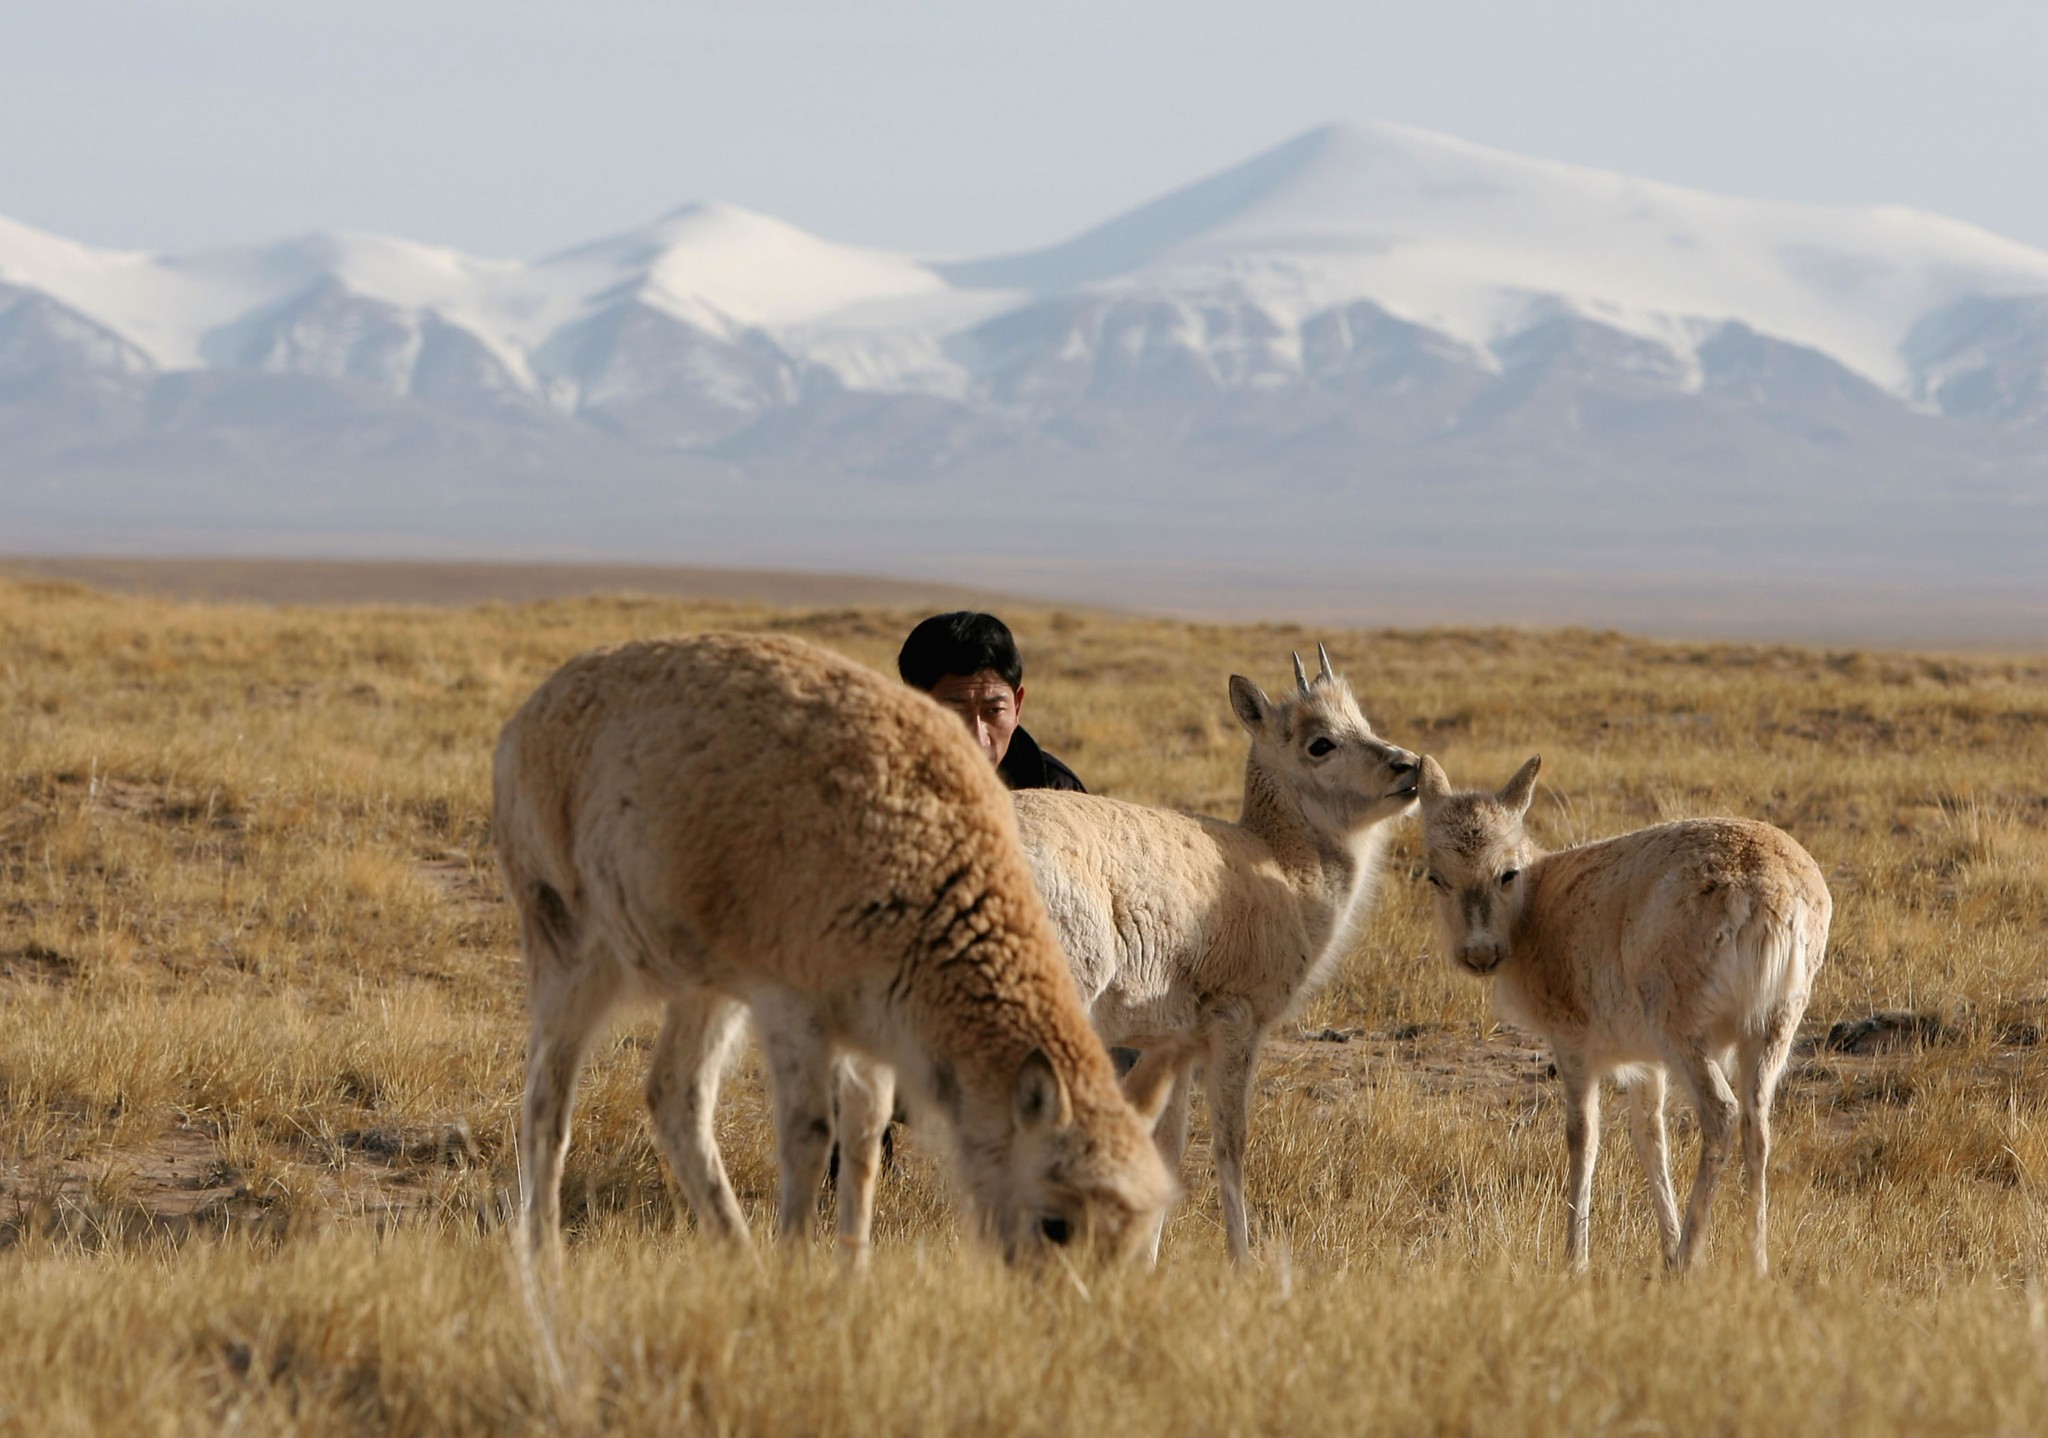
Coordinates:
<point>988,705</point>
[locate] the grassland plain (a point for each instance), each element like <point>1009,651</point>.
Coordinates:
<point>261,1020</point>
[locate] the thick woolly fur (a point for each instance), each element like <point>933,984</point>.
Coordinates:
<point>743,822</point>
<point>1191,937</point>
<point>1687,949</point>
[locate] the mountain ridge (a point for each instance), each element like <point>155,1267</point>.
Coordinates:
<point>1459,237</point>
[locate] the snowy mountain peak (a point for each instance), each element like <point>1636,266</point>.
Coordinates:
<point>33,257</point>
<point>748,267</point>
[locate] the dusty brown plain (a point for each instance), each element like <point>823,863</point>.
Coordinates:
<point>260,1026</point>
<point>463,582</point>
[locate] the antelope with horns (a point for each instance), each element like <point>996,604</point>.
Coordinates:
<point>731,822</point>
<point>1684,949</point>
<point>1192,937</point>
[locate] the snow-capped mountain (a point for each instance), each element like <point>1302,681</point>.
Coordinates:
<point>1362,313</point>
<point>1476,244</point>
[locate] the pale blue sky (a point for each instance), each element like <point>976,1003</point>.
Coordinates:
<point>961,126</point>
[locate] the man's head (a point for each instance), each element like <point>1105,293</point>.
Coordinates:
<point>969,663</point>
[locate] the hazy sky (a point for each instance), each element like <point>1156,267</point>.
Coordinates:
<point>961,126</point>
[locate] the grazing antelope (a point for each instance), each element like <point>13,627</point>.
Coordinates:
<point>1191,937</point>
<point>1687,948</point>
<point>748,821</point>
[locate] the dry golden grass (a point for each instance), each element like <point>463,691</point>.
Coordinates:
<point>260,1024</point>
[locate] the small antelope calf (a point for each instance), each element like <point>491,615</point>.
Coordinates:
<point>732,821</point>
<point>1191,937</point>
<point>1687,948</point>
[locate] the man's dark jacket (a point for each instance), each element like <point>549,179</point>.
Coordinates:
<point>1026,766</point>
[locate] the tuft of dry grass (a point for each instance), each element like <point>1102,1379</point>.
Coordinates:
<point>261,1021</point>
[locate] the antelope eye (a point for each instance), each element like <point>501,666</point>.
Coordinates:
<point>1320,747</point>
<point>1055,1230</point>
<point>1509,877</point>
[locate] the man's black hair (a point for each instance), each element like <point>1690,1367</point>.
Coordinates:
<point>962,642</point>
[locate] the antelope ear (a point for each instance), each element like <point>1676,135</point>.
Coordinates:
<point>1432,785</point>
<point>1041,1099</point>
<point>1517,792</point>
<point>1149,1084</point>
<point>1250,703</point>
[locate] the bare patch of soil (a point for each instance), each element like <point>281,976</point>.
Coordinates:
<point>1883,1032</point>
<point>1438,1060</point>
<point>129,798</point>
<point>397,1147</point>
<point>463,879</point>
<point>176,1182</point>
<point>37,962</point>
<point>181,1183</point>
